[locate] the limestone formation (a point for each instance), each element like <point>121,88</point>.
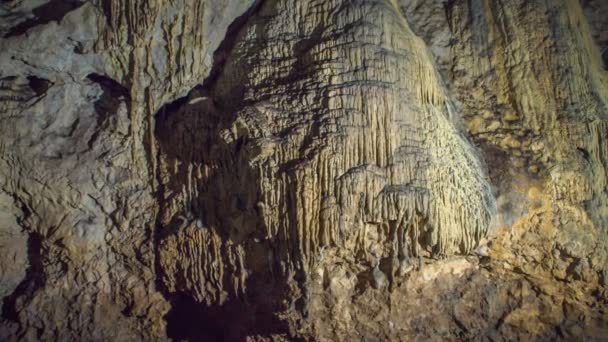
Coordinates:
<point>324,170</point>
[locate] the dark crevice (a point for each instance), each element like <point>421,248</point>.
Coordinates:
<point>190,133</point>
<point>106,7</point>
<point>34,278</point>
<point>108,103</point>
<point>113,87</point>
<point>584,153</point>
<point>54,10</point>
<point>39,85</point>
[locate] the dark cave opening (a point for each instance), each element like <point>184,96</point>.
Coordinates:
<point>235,320</point>
<point>54,10</point>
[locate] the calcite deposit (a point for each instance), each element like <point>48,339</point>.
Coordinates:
<point>317,170</point>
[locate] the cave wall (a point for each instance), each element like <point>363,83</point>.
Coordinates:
<point>317,170</point>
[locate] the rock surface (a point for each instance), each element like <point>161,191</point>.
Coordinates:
<point>303,170</point>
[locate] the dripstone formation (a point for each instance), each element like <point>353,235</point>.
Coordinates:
<point>318,170</point>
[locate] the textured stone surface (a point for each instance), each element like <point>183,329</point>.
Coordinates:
<point>317,170</point>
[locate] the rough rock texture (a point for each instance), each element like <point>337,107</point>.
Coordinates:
<point>315,170</point>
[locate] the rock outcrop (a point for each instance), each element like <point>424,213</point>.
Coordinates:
<point>316,170</point>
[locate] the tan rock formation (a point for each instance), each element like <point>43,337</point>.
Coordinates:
<point>318,170</point>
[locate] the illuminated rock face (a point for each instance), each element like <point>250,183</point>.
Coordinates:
<point>333,133</point>
<point>324,170</point>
